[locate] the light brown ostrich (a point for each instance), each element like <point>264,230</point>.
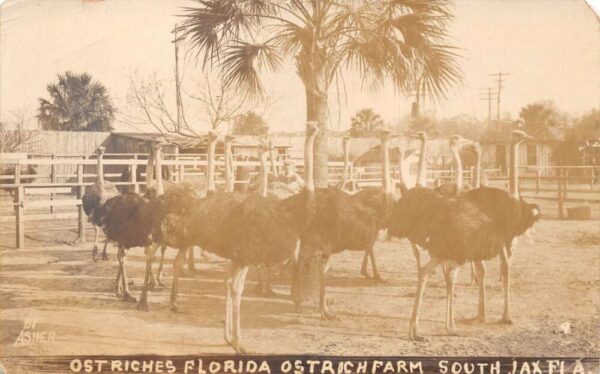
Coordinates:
<point>248,229</point>
<point>95,196</point>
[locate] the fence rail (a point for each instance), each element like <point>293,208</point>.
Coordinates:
<point>55,189</point>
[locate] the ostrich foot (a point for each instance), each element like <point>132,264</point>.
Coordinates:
<point>414,337</point>
<point>474,320</point>
<point>152,283</point>
<point>95,254</point>
<point>364,273</point>
<point>174,308</point>
<point>128,298</point>
<point>105,257</point>
<point>239,347</point>
<point>142,304</point>
<point>452,331</point>
<point>505,321</point>
<point>328,316</point>
<point>380,280</point>
<point>119,291</point>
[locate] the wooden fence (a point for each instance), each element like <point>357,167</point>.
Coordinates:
<point>57,193</point>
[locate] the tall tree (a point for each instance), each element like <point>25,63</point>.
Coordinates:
<point>385,40</point>
<point>77,103</point>
<point>543,120</point>
<point>365,122</point>
<point>250,123</point>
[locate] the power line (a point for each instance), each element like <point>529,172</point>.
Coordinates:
<point>499,81</point>
<point>489,97</point>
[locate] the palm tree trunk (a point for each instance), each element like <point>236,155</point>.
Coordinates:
<point>316,110</point>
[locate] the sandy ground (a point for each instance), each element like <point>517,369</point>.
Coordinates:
<point>55,283</point>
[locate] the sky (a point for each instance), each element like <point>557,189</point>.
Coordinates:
<point>550,48</point>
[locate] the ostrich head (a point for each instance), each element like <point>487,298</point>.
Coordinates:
<point>421,135</point>
<point>457,142</point>
<point>519,136</point>
<point>474,147</point>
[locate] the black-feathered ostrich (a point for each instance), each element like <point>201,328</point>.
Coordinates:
<point>454,231</point>
<point>511,215</point>
<point>94,197</point>
<point>128,220</point>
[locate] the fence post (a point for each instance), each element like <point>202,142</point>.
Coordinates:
<point>560,194</point>
<point>136,186</point>
<point>592,177</point>
<point>80,213</point>
<point>52,180</point>
<point>565,184</point>
<point>537,181</point>
<point>20,216</point>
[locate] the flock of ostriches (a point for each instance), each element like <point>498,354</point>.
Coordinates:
<point>455,225</point>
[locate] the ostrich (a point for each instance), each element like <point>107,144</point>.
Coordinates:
<point>249,230</point>
<point>453,231</point>
<point>94,197</point>
<point>380,200</point>
<point>512,216</point>
<point>128,220</point>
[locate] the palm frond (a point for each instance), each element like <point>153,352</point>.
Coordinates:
<point>242,63</point>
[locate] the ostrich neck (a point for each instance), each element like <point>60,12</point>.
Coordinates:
<point>513,176</point>
<point>100,172</point>
<point>459,169</point>
<point>228,166</point>
<point>210,172</point>
<point>158,171</point>
<point>477,171</point>
<point>385,166</point>
<point>421,176</point>
<point>346,171</point>
<point>264,175</point>
<point>401,165</point>
<point>308,163</point>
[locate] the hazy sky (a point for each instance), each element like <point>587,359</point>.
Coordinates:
<point>551,48</point>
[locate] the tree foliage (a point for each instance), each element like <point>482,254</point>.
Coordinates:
<point>77,103</point>
<point>250,123</point>
<point>572,150</point>
<point>543,120</point>
<point>397,41</point>
<point>366,123</point>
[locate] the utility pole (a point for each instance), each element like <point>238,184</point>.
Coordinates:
<point>177,81</point>
<point>499,81</point>
<point>489,96</point>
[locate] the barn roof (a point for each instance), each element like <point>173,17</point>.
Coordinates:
<point>373,155</point>
<point>200,141</point>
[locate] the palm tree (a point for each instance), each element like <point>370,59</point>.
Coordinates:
<point>76,104</point>
<point>383,40</point>
<point>365,122</point>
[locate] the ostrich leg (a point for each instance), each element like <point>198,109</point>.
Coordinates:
<point>424,274</point>
<point>376,275</point>
<point>479,267</point>
<point>95,250</point>
<point>238,290</point>
<point>177,266</point>
<point>150,251</point>
<point>191,263</point>
<point>163,249</point>
<point>506,259</point>
<point>324,309</point>
<point>235,288</point>
<point>474,276</point>
<point>450,274</point>
<point>104,255</point>
<point>365,262</point>
<point>417,255</point>
<point>121,256</point>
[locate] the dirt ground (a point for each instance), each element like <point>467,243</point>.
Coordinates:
<point>55,283</point>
